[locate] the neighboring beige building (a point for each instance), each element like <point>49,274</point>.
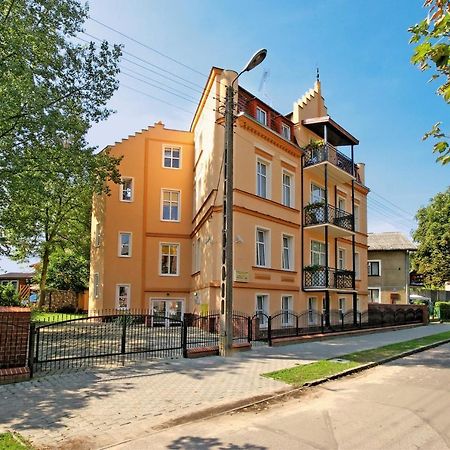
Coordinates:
<point>389,267</point>
<point>157,240</point>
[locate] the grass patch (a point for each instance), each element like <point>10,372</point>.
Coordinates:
<point>40,316</point>
<point>299,375</point>
<point>12,441</point>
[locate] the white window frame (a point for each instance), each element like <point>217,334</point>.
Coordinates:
<point>341,305</point>
<point>339,259</point>
<point>290,252</point>
<point>284,316</point>
<point>170,191</point>
<point>177,244</point>
<point>357,266</point>
<point>97,237</point>
<point>267,245</point>
<point>121,190</point>
<point>312,301</point>
<point>263,322</point>
<point>316,187</point>
<point>15,283</point>
<point>374,289</point>
<point>320,253</point>
<point>96,284</point>
<point>171,148</point>
<point>291,202</point>
<point>268,177</point>
<point>261,113</point>
<point>284,128</point>
<point>369,262</point>
<point>196,255</point>
<point>339,200</point>
<point>130,245</point>
<point>356,218</point>
<point>118,286</point>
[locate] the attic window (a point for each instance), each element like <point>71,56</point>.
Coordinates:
<point>286,131</point>
<point>261,116</point>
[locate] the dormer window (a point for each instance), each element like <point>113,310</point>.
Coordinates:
<point>286,131</point>
<point>261,116</point>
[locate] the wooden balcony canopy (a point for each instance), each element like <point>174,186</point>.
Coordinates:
<point>336,135</point>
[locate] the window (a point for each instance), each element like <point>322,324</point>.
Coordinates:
<point>124,244</point>
<point>375,295</point>
<point>287,255</point>
<point>317,194</point>
<point>324,305</point>
<point>262,179</point>
<point>97,235</point>
<point>96,285</point>
<point>15,283</point>
<point>123,296</point>
<point>357,268</point>
<point>262,246</point>
<point>341,306</point>
<point>358,304</point>
<point>373,268</point>
<point>341,259</point>
<point>196,256</point>
<point>126,190</point>
<point>286,131</point>
<point>288,189</point>
<point>318,253</point>
<point>169,259</point>
<point>356,218</point>
<point>170,206</point>
<point>312,307</point>
<point>261,116</point>
<point>172,157</point>
<point>286,307</point>
<point>262,309</point>
<point>341,203</point>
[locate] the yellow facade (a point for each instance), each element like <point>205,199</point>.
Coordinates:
<point>162,247</point>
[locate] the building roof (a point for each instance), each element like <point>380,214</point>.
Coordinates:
<point>16,275</point>
<point>391,240</point>
<point>337,135</point>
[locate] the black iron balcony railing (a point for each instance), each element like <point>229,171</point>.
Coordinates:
<point>327,278</point>
<point>319,213</point>
<point>328,153</point>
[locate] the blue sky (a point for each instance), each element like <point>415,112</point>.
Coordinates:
<point>363,54</point>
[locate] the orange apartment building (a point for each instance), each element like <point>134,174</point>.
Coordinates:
<point>300,213</point>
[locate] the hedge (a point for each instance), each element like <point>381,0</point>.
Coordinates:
<point>442,310</point>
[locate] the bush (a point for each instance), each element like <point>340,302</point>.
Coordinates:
<point>442,310</point>
<point>9,295</point>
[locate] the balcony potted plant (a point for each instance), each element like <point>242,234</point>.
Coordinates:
<point>315,152</point>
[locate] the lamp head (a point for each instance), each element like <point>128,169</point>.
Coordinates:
<point>255,60</point>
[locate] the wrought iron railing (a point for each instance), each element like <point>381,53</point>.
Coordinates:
<point>327,278</point>
<point>327,152</point>
<point>319,213</point>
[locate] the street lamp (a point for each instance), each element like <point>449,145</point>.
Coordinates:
<point>226,291</point>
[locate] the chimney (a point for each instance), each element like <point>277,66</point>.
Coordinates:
<point>362,172</point>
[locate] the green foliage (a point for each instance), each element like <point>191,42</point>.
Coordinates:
<point>51,90</point>
<point>432,257</point>
<point>442,310</point>
<point>68,271</point>
<point>8,295</point>
<point>432,52</point>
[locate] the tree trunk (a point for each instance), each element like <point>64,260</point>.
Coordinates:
<point>42,283</point>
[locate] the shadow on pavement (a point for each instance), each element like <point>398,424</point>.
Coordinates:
<point>199,443</point>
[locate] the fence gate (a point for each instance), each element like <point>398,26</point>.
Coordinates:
<point>105,340</point>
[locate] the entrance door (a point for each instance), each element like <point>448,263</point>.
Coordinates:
<point>163,310</point>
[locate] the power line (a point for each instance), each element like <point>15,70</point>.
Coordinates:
<point>148,47</point>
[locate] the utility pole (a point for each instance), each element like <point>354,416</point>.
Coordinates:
<point>226,287</point>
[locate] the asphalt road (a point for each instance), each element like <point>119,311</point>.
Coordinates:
<point>402,405</point>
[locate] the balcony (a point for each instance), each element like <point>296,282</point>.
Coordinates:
<point>315,155</point>
<point>321,277</point>
<point>319,214</point>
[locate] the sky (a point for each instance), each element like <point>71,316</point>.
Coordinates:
<point>361,49</point>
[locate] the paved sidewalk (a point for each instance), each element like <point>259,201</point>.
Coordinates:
<point>101,407</point>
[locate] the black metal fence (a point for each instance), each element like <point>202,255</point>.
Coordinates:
<point>320,213</point>
<point>128,335</point>
<point>328,153</point>
<point>327,277</point>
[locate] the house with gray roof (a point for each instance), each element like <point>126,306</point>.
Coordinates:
<point>388,267</point>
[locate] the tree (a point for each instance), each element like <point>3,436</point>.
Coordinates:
<point>51,91</point>
<point>9,295</point>
<point>432,51</point>
<point>432,258</point>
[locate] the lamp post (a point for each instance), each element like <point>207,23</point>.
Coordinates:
<point>226,288</point>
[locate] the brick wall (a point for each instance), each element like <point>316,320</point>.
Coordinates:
<point>14,338</point>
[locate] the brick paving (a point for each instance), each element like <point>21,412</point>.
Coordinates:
<point>105,406</point>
